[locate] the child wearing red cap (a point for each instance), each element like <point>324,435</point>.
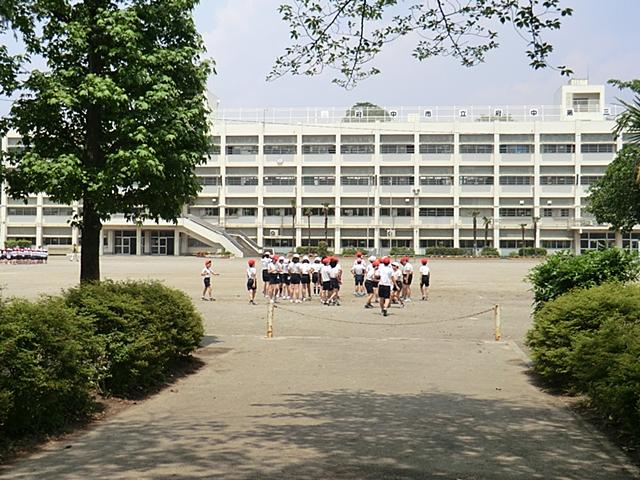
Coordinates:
<point>424,279</point>
<point>207,273</point>
<point>325,278</point>
<point>385,282</point>
<point>407,278</point>
<point>252,281</point>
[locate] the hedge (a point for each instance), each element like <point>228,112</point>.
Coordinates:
<point>446,251</point>
<point>144,328</point>
<point>564,271</point>
<point>20,243</point>
<point>489,252</point>
<point>56,353</point>
<point>588,341</point>
<point>402,251</point>
<point>47,374</point>
<point>532,252</point>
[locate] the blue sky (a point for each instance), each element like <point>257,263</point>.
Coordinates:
<point>245,36</point>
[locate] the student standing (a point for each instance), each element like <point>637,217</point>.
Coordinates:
<point>265,260</point>
<point>358,271</point>
<point>274,278</point>
<point>305,279</point>
<point>370,282</point>
<point>325,278</point>
<point>425,279</point>
<point>252,281</point>
<point>385,282</point>
<point>295,278</point>
<point>397,283</point>
<point>407,278</point>
<point>207,273</point>
<point>315,276</point>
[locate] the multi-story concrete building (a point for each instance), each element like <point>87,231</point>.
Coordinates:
<point>409,177</point>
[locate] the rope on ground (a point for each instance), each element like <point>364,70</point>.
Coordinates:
<point>335,320</point>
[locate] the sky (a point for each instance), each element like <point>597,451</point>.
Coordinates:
<point>599,42</point>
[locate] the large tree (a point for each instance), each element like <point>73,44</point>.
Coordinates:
<point>348,34</point>
<point>629,121</point>
<point>615,198</point>
<point>117,120</point>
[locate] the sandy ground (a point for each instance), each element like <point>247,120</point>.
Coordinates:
<point>331,398</point>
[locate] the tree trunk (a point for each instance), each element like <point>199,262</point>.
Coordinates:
<point>486,234</point>
<point>308,230</point>
<point>293,231</point>
<point>475,236</point>
<point>326,222</point>
<point>90,251</point>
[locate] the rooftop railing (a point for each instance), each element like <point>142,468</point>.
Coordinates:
<point>426,114</point>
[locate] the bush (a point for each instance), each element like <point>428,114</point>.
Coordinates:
<point>143,327</point>
<point>607,366</point>
<point>350,251</point>
<point>489,252</point>
<point>572,317</point>
<point>320,250</point>
<point>445,252</point>
<point>46,374</point>
<point>564,271</point>
<point>18,243</point>
<point>401,251</point>
<point>532,252</point>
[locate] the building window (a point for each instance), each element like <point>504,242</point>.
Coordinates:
<point>356,243</point>
<point>357,149</point>
<point>476,148</point>
<point>396,180</point>
<point>278,212</point>
<point>476,180</point>
<point>431,243</point>
<point>598,148</point>
<point>515,243</point>
<point>558,148</point>
<point>436,180</point>
<point>214,146</point>
<point>516,212</point>
<point>436,149</point>
<point>57,211</point>
<point>516,148</point>
<point>280,149</point>
<point>279,180</point>
<point>318,149</point>
<point>396,212</point>
<point>359,180</point>
<point>241,181</point>
<point>57,240</point>
<point>589,179</point>
<point>241,149</point>
<point>357,212</point>
<point>22,211</point>
<point>211,212</point>
<point>556,244</point>
<point>436,212</point>
<point>319,211</point>
<point>209,180</point>
<point>278,242</point>
<point>397,148</point>
<point>558,180</point>
<point>326,180</point>
<point>240,212</point>
<point>556,212</point>
<point>515,180</point>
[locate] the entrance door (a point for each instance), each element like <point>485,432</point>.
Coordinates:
<point>162,246</point>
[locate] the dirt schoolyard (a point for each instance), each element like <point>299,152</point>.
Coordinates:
<point>340,392</point>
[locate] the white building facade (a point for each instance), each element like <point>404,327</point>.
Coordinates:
<point>398,177</point>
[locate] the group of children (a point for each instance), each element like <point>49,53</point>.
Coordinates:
<point>24,255</point>
<point>298,278</point>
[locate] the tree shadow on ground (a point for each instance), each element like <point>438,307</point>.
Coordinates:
<point>345,434</point>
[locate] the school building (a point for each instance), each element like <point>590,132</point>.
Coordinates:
<point>377,178</point>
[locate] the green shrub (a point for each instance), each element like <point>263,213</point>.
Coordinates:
<point>20,243</point>
<point>445,252</point>
<point>304,250</point>
<point>607,365</point>
<point>350,251</point>
<point>144,328</point>
<point>321,250</point>
<point>489,252</point>
<point>564,271</point>
<point>46,373</point>
<point>401,251</point>
<point>532,252</point>
<point>575,316</point>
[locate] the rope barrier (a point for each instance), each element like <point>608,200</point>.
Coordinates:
<point>431,322</point>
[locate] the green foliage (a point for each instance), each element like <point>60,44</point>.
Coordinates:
<point>366,112</point>
<point>349,251</point>
<point>606,365</point>
<point>615,198</point>
<point>565,271</point>
<point>532,252</point>
<point>629,121</point>
<point>347,37</point>
<point>47,374</point>
<point>20,243</point>
<point>321,250</point>
<point>445,252</point>
<point>118,119</point>
<point>401,251</point>
<point>573,317</point>
<point>143,327</point>
<point>489,252</point>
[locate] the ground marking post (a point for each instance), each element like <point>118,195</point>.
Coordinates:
<point>497,319</point>
<point>270,313</point>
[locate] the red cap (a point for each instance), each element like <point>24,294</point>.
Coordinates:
<point>404,259</point>
<point>359,255</point>
<point>386,260</point>
<point>375,263</point>
<point>326,260</point>
<point>424,261</point>
<point>275,258</point>
<point>251,262</point>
